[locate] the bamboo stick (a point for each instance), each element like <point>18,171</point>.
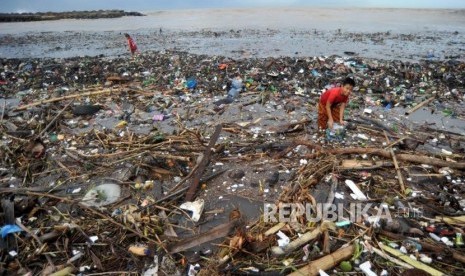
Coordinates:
<point>410,261</point>
<point>396,166</point>
<point>391,259</point>
<point>274,229</point>
<point>451,220</point>
<point>295,244</point>
<point>325,263</point>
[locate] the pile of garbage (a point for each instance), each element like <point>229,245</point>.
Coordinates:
<point>173,164</point>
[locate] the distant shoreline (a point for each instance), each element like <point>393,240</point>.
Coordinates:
<point>42,16</point>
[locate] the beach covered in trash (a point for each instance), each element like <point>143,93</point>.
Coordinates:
<point>120,165</point>
<point>145,166</point>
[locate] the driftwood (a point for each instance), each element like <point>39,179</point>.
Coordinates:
<point>396,166</point>
<point>399,174</point>
<point>418,106</point>
<point>332,191</point>
<point>54,119</point>
<point>34,236</point>
<point>203,164</point>
<point>354,164</point>
<point>377,124</point>
<point>72,96</point>
<point>289,128</point>
<point>178,193</point>
<point>327,262</point>
<point>454,135</point>
<point>97,213</point>
<point>421,159</point>
<point>217,232</point>
<point>295,244</point>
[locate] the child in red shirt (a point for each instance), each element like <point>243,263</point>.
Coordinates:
<point>132,45</point>
<point>332,104</point>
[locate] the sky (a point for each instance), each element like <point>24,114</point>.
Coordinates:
<point>146,5</point>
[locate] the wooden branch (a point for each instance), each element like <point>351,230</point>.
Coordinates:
<point>421,159</point>
<point>332,191</point>
<point>418,106</point>
<point>396,166</point>
<point>326,245</point>
<point>169,156</point>
<point>325,263</point>
<point>399,174</point>
<point>203,164</point>
<point>98,213</point>
<point>34,236</point>
<point>72,96</point>
<point>54,119</point>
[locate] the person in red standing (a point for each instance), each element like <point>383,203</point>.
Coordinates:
<point>132,45</point>
<point>332,104</point>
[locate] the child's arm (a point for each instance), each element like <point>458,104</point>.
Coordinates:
<point>341,114</point>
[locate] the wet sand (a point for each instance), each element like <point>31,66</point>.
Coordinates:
<point>406,34</point>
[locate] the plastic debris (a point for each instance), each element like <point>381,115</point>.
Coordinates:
<point>356,193</point>
<point>283,240</point>
<point>9,229</point>
<point>195,207</point>
<point>102,195</point>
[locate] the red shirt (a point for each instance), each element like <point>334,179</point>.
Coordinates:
<point>334,96</point>
<point>132,45</point>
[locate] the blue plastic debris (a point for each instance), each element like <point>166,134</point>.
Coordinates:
<point>9,229</point>
<point>315,73</point>
<point>191,83</point>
